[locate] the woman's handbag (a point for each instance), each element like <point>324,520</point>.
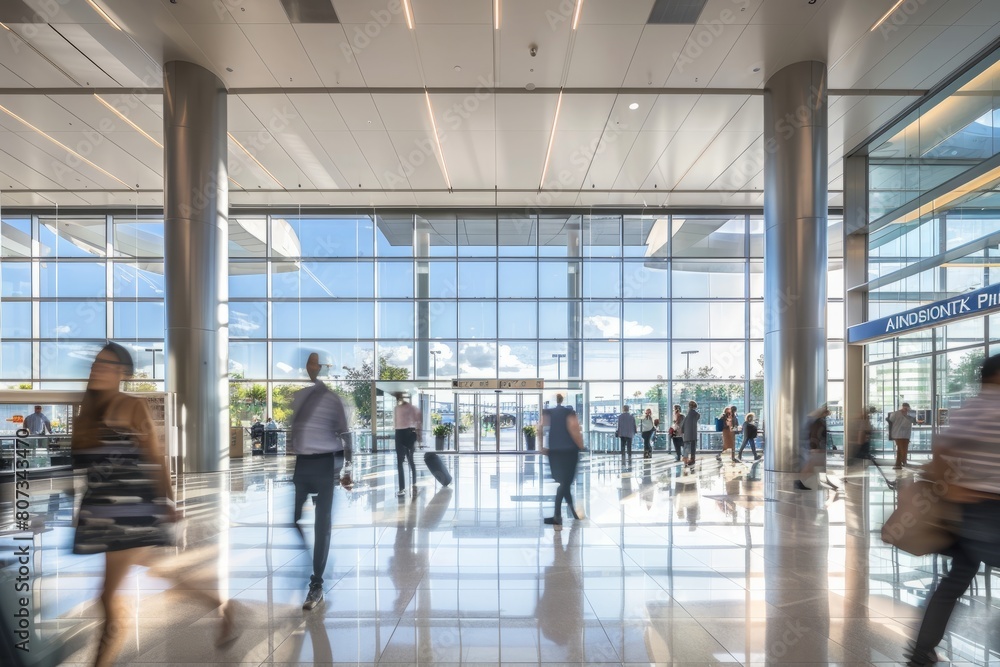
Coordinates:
<point>923,522</point>
<point>719,424</point>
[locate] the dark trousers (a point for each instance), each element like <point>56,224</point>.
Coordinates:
<point>753,446</point>
<point>678,446</point>
<point>647,448</point>
<point>316,475</point>
<point>691,446</point>
<point>626,447</point>
<point>563,465</point>
<point>406,442</point>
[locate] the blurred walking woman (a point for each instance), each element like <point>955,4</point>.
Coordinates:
<point>562,428</point>
<point>128,502</point>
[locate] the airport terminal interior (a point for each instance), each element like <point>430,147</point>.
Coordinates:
<point>487,207</point>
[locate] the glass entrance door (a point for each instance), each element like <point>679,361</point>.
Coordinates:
<point>493,421</point>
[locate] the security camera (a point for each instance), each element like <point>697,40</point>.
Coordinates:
<point>533,50</point>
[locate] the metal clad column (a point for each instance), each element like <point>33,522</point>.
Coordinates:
<point>795,257</point>
<point>196,237</point>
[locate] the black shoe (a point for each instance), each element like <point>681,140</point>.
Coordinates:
<point>314,597</point>
<point>553,520</point>
<point>738,459</point>
<point>800,486</point>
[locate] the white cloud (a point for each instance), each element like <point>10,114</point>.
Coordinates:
<point>609,326</point>
<point>635,330</point>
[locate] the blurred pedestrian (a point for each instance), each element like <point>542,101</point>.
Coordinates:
<point>625,432</point>
<point>900,428</point>
<point>749,437</point>
<point>321,441</point>
<point>128,502</point>
<point>37,423</point>
<point>408,421</point>
<point>676,436</point>
<point>564,441</point>
<point>813,447</point>
<point>689,430</point>
<point>647,426</point>
<point>966,466</point>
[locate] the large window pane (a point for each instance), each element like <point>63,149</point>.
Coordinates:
<point>395,280</point>
<point>395,319</point>
<point>138,238</point>
<point>646,236</point>
<point>559,319</point>
<point>477,319</point>
<point>325,279</point>
<point>517,236</point>
<point>73,319</point>
<point>553,278</point>
<point>289,358</point>
<point>324,319</point>
<point>716,319</point>
<point>64,237</point>
<point>15,237</point>
<point>66,279</point>
<point>139,320</point>
<point>708,236</point>
<point>645,361</point>
<point>15,320</point>
<point>700,280</point>
<point>247,319</point>
<point>441,281</point>
<point>477,360</point>
<point>138,280</point>
<point>436,236</point>
<point>723,360</point>
<point>647,280</point>
<point>602,235</point>
<point>559,236</point>
<point>65,360</point>
<point>249,279</point>
<point>518,280</point>
<point>477,280</point>
<point>477,236</point>
<point>327,236</point>
<point>15,278</point>
<point>248,237</point>
<point>397,353</point>
<point>518,318</point>
<point>602,319</point>
<point>517,359</point>
<point>15,362</point>
<point>556,360</point>
<point>602,361</point>
<point>249,360</point>
<point>646,320</point>
<point>602,280</point>
<point>394,235</point>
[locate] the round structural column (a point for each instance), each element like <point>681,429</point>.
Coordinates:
<point>795,258</point>
<point>196,236</point>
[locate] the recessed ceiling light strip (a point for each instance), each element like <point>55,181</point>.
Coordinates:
<point>552,137</point>
<point>496,14</point>
<point>124,118</point>
<point>255,160</point>
<point>437,140</point>
<point>576,14</point>
<point>64,146</point>
<point>104,15</point>
<point>409,14</point>
<point>886,15</point>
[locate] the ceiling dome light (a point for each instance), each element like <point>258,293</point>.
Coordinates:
<point>633,106</point>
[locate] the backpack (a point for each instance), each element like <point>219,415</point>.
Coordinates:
<point>719,424</point>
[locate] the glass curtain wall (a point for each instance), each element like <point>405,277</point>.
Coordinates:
<point>648,310</point>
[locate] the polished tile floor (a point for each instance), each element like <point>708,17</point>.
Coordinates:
<point>665,569</point>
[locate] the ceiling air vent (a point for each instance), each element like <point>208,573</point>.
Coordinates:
<point>310,11</point>
<point>685,12</point>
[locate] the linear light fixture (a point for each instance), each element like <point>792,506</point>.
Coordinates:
<point>236,183</point>
<point>124,118</point>
<point>63,146</point>
<point>437,139</point>
<point>552,138</point>
<point>4,26</point>
<point>496,14</point>
<point>409,14</point>
<point>976,186</point>
<point>886,15</point>
<point>255,160</point>
<point>576,14</point>
<point>104,15</point>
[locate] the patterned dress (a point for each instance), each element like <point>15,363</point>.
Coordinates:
<point>122,507</point>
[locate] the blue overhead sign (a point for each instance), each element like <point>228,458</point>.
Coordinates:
<point>933,314</point>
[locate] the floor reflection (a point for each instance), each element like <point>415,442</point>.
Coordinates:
<point>667,568</point>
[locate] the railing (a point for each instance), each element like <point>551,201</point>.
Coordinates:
<point>44,451</point>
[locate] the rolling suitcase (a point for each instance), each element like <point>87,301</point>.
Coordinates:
<point>434,464</point>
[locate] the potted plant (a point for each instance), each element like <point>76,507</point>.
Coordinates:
<point>529,436</point>
<point>441,431</point>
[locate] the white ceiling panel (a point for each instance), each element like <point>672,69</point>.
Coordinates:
<point>427,12</point>
<point>654,58</point>
<point>713,112</point>
<point>10,80</point>
<point>623,119</point>
<point>376,12</point>
<point>682,152</point>
<point>454,199</point>
<point>753,50</point>
<point>382,159</point>
<point>226,45</point>
<point>749,117</point>
<point>701,54</point>
<point>669,112</point>
<point>946,12</point>
<point>266,149</point>
<point>585,113</point>
<point>745,167</point>
<point>142,149</point>
<point>526,113</point>
<point>445,47</point>
<point>49,162</point>
<point>572,153</point>
<point>239,117</point>
<point>405,113</point>
<point>89,110</point>
<point>474,112</point>
<point>594,64</point>
<point>873,60</point>
<point>115,53</point>
<point>279,47</point>
<point>609,157</point>
<point>26,178</point>
<point>471,158</point>
<point>718,157</point>
<point>962,56</point>
<point>642,159</point>
<point>609,12</point>
<point>388,59</point>
<point>520,158</point>
<point>929,59</point>
<point>111,157</point>
<point>787,12</point>
<point>65,50</point>
<point>729,12</point>
<point>984,13</point>
<point>539,22</point>
<point>358,111</point>
<point>317,111</point>
<point>330,52</point>
<point>260,11</point>
<point>18,57</point>
<point>57,161</point>
<point>187,13</point>
<point>419,159</point>
<point>41,112</point>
